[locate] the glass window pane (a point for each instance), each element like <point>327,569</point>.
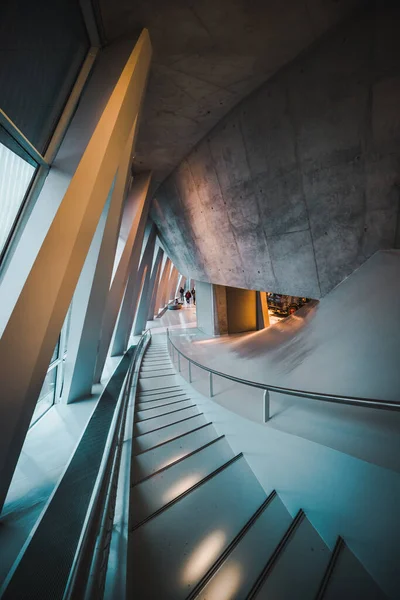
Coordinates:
<point>55,352</point>
<point>67,326</point>
<point>15,177</point>
<point>47,394</point>
<point>42,47</point>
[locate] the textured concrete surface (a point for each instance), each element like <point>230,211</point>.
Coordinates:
<point>299,184</point>
<point>208,55</point>
<point>204,307</point>
<point>211,308</point>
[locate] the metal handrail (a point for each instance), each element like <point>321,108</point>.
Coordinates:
<point>350,400</point>
<point>88,571</point>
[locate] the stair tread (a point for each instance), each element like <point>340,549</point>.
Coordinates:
<point>157,383</point>
<point>155,368</point>
<point>158,391</point>
<point>237,575</point>
<point>162,435</point>
<point>144,405</point>
<point>183,542</point>
<point>160,396</point>
<point>163,420</point>
<point>350,580</point>
<point>150,412</point>
<point>158,458</point>
<point>299,568</point>
<point>152,494</point>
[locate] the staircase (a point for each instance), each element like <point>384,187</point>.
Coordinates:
<point>201,525</point>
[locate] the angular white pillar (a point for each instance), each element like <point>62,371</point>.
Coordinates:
<point>32,330</point>
<point>154,283</point>
<point>130,303</point>
<point>173,280</point>
<point>95,283</point>
<point>160,300</point>
<point>93,100</point>
<point>145,298</point>
<point>127,263</point>
<point>80,304</point>
<point>167,290</point>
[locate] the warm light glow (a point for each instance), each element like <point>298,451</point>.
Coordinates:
<point>225,584</point>
<point>180,487</point>
<point>170,460</point>
<point>203,556</point>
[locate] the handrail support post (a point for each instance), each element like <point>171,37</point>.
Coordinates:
<point>179,361</point>
<point>190,371</point>
<point>211,384</point>
<point>266,406</point>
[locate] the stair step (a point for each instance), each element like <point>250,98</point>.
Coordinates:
<point>148,463</point>
<point>156,365</point>
<point>149,368</point>
<point>349,580</point>
<point>153,396</point>
<point>299,567</point>
<point>184,541</point>
<point>154,375</point>
<point>159,390</point>
<point>152,412</point>
<point>151,361</point>
<point>162,401</point>
<point>157,383</point>
<point>163,435</point>
<point>164,361</point>
<point>237,574</point>
<point>151,495</point>
<point>144,427</point>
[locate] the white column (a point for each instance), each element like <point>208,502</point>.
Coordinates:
<point>160,300</point>
<point>154,283</point>
<point>35,322</point>
<point>141,314</point>
<point>95,284</point>
<point>127,264</point>
<point>80,303</point>
<point>172,284</point>
<point>132,293</point>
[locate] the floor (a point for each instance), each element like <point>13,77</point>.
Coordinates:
<point>368,434</point>
<point>193,531</point>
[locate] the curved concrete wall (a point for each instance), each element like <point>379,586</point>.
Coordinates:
<point>297,186</point>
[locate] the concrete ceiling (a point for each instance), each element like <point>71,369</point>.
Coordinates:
<point>298,185</point>
<point>208,55</point>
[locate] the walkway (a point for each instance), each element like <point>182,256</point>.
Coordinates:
<point>201,525</point>
<point>371,435</point>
